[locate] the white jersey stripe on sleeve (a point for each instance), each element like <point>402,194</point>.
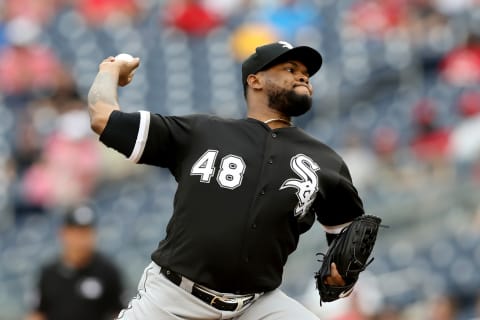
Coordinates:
<point>141,137</point>
<point>335,229</point>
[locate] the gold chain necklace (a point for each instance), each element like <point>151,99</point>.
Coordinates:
<point>280,120</point>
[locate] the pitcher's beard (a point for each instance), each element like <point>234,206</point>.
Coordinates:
<point>288,102</point>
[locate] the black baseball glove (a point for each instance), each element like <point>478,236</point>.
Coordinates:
<point>350,251</point>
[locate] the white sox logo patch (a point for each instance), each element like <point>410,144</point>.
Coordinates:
<point>307,186</point>
<point>285,44</point>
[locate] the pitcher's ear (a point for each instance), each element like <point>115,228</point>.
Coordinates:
<point>255,81</point>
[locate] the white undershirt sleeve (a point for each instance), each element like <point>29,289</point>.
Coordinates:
<point>335,229</point>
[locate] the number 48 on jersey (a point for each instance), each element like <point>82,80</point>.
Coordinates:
<point>230,173</point>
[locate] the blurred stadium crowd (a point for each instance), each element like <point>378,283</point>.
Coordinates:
<point>398,97</point>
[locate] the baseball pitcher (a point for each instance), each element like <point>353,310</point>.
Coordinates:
<point>247,189</point>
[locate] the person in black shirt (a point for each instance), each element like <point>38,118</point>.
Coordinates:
<point>82,283</point>
<point>247,189</point>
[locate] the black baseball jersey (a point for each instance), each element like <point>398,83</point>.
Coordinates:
<point>245,193</point>
<point>92,292</point>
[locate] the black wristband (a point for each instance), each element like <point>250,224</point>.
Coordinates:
<point>330,237</point>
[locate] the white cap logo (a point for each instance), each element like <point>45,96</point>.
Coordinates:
<point>285,44</point>
<point>83,215</point>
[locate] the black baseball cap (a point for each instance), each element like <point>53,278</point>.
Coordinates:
<point>271,54</point>
<point>81,216</point>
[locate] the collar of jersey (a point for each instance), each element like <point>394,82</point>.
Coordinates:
<point>266,125</point>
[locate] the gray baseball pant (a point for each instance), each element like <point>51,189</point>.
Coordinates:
<point>158,298</point>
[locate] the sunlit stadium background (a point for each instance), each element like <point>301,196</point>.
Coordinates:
<point>398,97</point>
